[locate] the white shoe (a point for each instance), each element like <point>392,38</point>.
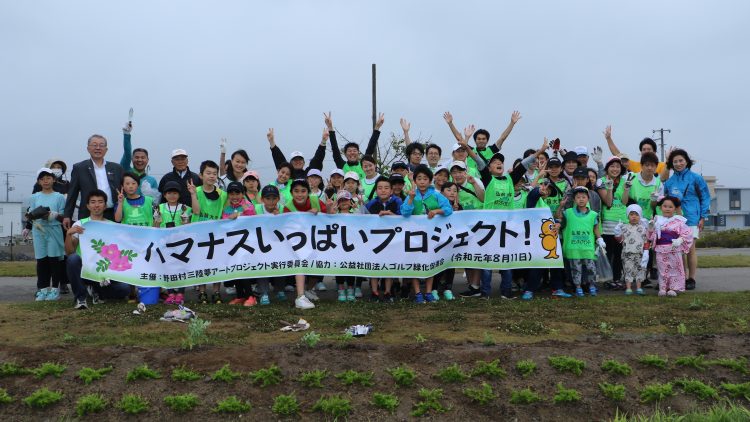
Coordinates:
<point>671,293</point>
<point>311,295</point>
<point>357,292</point>
<point>231,290</point>
<point>321,287</point>
<point>303,302</point>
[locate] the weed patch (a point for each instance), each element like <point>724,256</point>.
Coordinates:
<point>614,392</point>
<point>49,368</point>
<point>388,402</point>
<point>196,333</point>
<point>737,365</point>
<point>225,374</point>
<point>183,374</point>
<point>566,395</point>
<point>313,379</point>
<point>42,398</point>
<point>737,391</point>
<point>133,404</point>
<point>90,403</point>
<point>266,376</point>
<point>430,402</point>
<point>481,395</point>
<point>335,406</point>
<point>11,369</point>
<point>142,372</point>
<point>232,404</point>
<point>350,377</point>
<point>567,364</point>
<point>655,361</point>
<point>656,392</point>
<point>182,403</point>
<point>697,362</point>
<point>403,376</point>
<point>285,405</point>
<point>490,369</point>
<point>89,375</point>
<point>488,339</point>
<point>310,339</point>
<point>5,398</point>
<point>525,396</point>
<point>697,388</point>
<point>526,367</point>
<point>617,368</point>
<point>452,373</point>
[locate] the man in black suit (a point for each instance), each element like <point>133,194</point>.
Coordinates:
<point>91,174</point>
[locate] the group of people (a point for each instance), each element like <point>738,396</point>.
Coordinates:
<point>638,215</point>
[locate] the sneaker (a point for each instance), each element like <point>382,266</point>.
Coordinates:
<point>646,283</point>
<point>321,287</point>
<point>388,298</point>
<point>312,295</point>
<point>41,295</point>
<point>170,299</point>
<point>281,295</point>
<point>628,292</point>
<point>350,297</point>
<point>418,298</point>
<point>95,299</point>
<point>237,301</point>
<point>579,292</point>
<point>342,295</point>
<point>430,297</point>
<point>251,301</point>
<point>179,299</point>
<point>357,292</point>
<point>435,295</point>
<point>471,292</point>
<point>640,292</point>
<point>484,295</point>
<point>303,302</point>
<point>264,300</point>
<point>690,284</point>
<point>64,289</point>
<point>216,298</point>
<point>592,290</point>
<point>672,293</point>
<point>231,290</point>
<point>374,297</point>
<point>81,305</point>
<point>506,296</point>
<point>203,298</point>
<point>662,293</point>
<point>448,295</point>
<point>560,293</point>
<point>289,288</point>
<point>527,295</point>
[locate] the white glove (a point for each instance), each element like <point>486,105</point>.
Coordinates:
<point>609,184</point>
<point>676,243</point>
<point>223,145</point>
<point>127,128</point>
<point>629,180</point>
<point>644,259</point>
<point>52,216</point>
<point>618,229</point>
<point>26,233</point>
<point>596,154</point>
<point>600,243</point>
<point>654,196</point>
<point>157,216</point>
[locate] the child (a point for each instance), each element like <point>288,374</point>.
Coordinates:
<point>283,174</point>
<point>238,205</point>
<point>345,284</point>
<point>424,199</point>
<point>443,281</point>
<point>386,203</point>
<point>470,190</point>
<point>439,178</point>
<point>351,184</point>
<point>315,180</point>
<point>172,214</point>
<point>49,247</point>
<point>269,198</point>
<point>398,183</point>
<point>303,202</point>
<point>208,204</point>
<point>671,237</point>
<point>251,182</point>
<point>400,168</point>
<point>580,230</point>
<point>633,236</point>
<point>335,183</point>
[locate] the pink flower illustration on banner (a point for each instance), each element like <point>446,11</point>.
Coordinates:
<point>110,252</point>
<point>121,263</point>
<point>113,258</point>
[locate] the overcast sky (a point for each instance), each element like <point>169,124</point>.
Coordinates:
<point>198,71</point>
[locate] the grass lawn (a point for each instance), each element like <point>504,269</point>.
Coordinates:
<point>17,268</point>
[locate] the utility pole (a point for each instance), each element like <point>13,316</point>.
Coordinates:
<point>374,103</point>
<point>661,139</point>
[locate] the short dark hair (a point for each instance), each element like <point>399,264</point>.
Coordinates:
<point>208,164</point>
<point>424,170</point>
<point>381,179</point>
<point>649,157</point>
<point>412,146</point>
<point>351,145</point>
<point>369,158</point>
<point>133,176</point>
<point>287,166</point>
<point>647,141</point>
<point>674,154</point>
<point>481,132</point>
<point>528,152</point>
<point>674,199</point>
<point>447,185</point>
<point>436,146</point>
<point>143,150</point>
<point>96,193</point>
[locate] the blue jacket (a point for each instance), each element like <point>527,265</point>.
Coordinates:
<point>692,191</point>
<point>407,209</point>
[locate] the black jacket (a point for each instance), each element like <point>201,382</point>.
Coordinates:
<point>83,181</point>
<point>315,163</point>
<point>174,176</point>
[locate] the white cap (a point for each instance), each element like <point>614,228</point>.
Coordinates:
<point>44,170</point>
<point>634,208</point>
<point>337,171</point>
<point>178,152</point>
<point>458,163</point>
<point>314,172</point>
<point>456,147</point>
<point>440,168</point>
<point>581,150</point>
<point>351,175</point>
<point>296,154</point>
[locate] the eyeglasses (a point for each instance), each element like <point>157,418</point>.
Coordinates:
<point>98,146</point>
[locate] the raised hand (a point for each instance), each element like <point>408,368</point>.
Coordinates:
<point>380,121</point>
<point>413,191</point>
<point>191,187</point>
<point>515,117</point>
<point>223,145</point>
<point>607,132</point>
<point>545,145</point>
<point>468,132</point>
<point>596,154</point>
<point>629,180</point>
<point>328,120</point>
<point>448,117</point>
<point>120,195</point>
<point>127,128</point>
<point>269,135</point>
<point>325,135</point>
<point>405,125</point>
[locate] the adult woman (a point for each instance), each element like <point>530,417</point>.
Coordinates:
<point>610,189</point>
<point>236,171</point>
<point>692,191</point>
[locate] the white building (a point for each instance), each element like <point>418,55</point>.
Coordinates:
<point>730,208</point>
<point>10,219</point>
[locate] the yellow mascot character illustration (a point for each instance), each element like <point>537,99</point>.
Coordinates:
<point>549,238</point>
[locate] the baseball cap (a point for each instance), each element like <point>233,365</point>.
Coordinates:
<point>440,168</point>
<point>581,150</point>
<point>581,172</point>
<point>179,151</point>
<point>296,154</point>
<point>235,187</point>
<point>497,156</point>
<point>351,175</point>
<point>399,165</point>
<point>570,156</point>
<point>337,171</point>
<point>343,194</point>
<point>314,172</point>
<point>580,189</point>
<point>172,186</point>
<point>251,173</point>
<point>458,163</point>
<point>396,178</point>
<point>44,170</point>
<point>456,147</point>
<point>269,190</point>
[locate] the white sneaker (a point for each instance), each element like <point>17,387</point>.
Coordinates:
<point>81,305</point>
<point>53,294</point>
<point>321,287</point>
<point>303,302</point>
<point>357,292</point>
<point>671,293</point>
<point>231,290</point>
<point>41,294</point>
<point>311,295</point>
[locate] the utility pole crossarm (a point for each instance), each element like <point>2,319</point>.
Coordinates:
<point>661,139</point>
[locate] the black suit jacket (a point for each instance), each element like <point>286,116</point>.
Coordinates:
<point>83,181</point>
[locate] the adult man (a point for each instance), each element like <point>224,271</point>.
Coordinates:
<point>136,161</point>
<point>297,159</point>
<point>181,174</point>
<point>351,149</point>
<point>482,138</point>
<point>646,145</point>
<point>91,174</point>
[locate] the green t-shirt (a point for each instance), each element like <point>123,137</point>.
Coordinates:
<point>210,209</point>
<point>499,194</point>
<point>175,217</point>
<point>141,215</point>
<point>519,201</point>
<point>579,240</point>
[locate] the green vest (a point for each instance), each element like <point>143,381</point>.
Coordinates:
<point>367,190</point>
<point>578,236</point>
<point>422,206</point>
<point>617,211</point>
<point>314,203</point>
<point>260,209</point>
<point>210,210</point>
<point>642,196</point>
<point>499,194</point>
<point>469,200</point>
<point>83,222</point>
<point>167,217</point>
<point>486,153</point>
<point>519,201</point>
<point>357,168</point>
<point>138,216</point>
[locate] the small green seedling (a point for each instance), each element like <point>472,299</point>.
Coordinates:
<point>403,376</point>
<point>656,392</point>
<point>488,339</point>
<point>697,304</point>
<point>313,379</point>
<point>310,339</point>
<point>5,398</point>
<point>350,377</point>
<point>490,369</point>
<point>49,368</point>
<point>741,324</point>
<point>267,376</point>
<point>696,362</point>
<point>388,402</point>
<point>452,373</point>
<point>606,329</point>
<point>617,368</point>
<point>90,403</point>
<point>697,388</point>
<point>526,367</point>
<point>11,369</point>
<point>737,365</point>
<point>567,364</point>
<point>232,404</point>
<point>225,374</point>
<point>430,402</point>
<point>525,396</point>
<point>681,329</point>
<point>133,404</point>
<point>42,398</point>
<point>654,360</point>
<point>481,395</point>
<point>89,375</point>
<point>183,374</point>
<point>335,406</point>
<point>182,403</point>
<point>566,395</point>
<point>614,392</point>
<point>285,405</point>
<point>420,338</point>
<point>737,391</point>
<point>142,372</point>
<point>196,333</point>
